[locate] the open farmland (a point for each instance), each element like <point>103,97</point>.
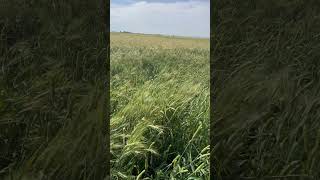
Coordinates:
<point>160,107</point>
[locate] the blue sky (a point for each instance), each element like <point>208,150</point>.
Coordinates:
<point>170,17</point>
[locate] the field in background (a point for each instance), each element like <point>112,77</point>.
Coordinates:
<point>156,41</point>
<point>160,107</point>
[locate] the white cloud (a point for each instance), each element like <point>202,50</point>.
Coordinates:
<point>188,18</point>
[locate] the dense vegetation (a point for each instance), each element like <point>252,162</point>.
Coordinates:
<point>265,89</point>
<point>160,107</point>
<point>53,57</point>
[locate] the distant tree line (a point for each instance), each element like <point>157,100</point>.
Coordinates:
<point>125,32</point>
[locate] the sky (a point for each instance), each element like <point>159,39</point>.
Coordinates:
<point>170,17</point>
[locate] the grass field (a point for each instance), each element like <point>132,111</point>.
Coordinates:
<point>266,89</point>
<point>53,67</point>
<point>160,107</point>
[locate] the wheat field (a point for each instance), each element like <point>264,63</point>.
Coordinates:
<point>160,107</point>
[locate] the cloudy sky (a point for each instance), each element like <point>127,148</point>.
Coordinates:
<point>170,17</point>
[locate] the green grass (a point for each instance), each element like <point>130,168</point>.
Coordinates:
<point>160,110</point>
<point>52,95</point>
<point>265,88</point>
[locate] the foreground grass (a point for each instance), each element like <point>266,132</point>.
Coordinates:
<point>266,90</point>
<point>52,93</point>
<point>160,108</point>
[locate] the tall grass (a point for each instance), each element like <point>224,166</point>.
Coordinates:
<point>160,112</point>
<point>53,68</point>
<point>266,90</point>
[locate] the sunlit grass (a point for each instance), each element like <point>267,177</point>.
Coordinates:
<point>160,107</point>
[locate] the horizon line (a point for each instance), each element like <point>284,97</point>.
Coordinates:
<point>162,34</point>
